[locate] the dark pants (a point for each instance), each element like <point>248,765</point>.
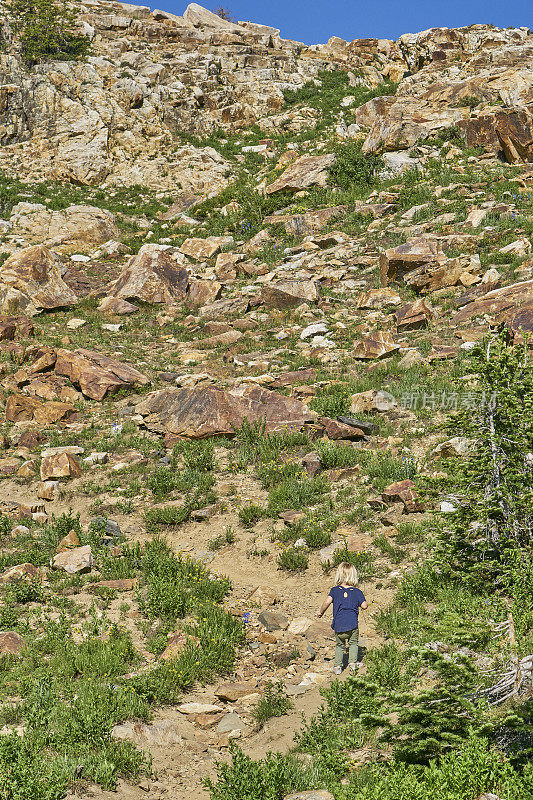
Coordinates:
<point>345,639</point>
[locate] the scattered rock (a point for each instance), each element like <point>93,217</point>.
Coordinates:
<point>199,708</point>
<point>74,226</point>
<point>273,620</point>
<point>30,282</point>
<point>162,732</point>
<point>201,249</point>
<point>230,722</point>
<point>97,375</point>
<point>299,626</point>
<point>417,252</point>
<point>372,400</point>
<point>289,293</point>
<point>302,173</point>
<point>379,298</point>
<point>458,447</point>
<point>415,316</point>
<point>11,643</point>
<point>23,408</point>
<point>264,596</point>
<point>68,542</point>
<point>21,572</point>
<point>117,585</point>
<point>230,692</point>
<point>62,465</point>
<point>79,559</point>
<point>151,276</point>
<point>376,345</point>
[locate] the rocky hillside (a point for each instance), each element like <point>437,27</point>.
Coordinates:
<point>265,308</point>
<point>125,115</point>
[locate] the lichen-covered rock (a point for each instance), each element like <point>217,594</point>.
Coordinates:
<point>30,282</point>
<point>23,408</point>
<point>301,174</point>
<point>289,293</point>
<point>74,226</point>
<point>202,411</point>
<point>60,465</point>
<point>151,276</point>
<point>96,374</point>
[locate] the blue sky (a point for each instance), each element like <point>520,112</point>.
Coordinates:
<point>313,21</point>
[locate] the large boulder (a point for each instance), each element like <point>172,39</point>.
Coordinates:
<point>198,412</point>
<point>376,345</point>
<point>22,408</point>
<point>200,249</point>
<point>30,282</point>
<point>60,465</point>
<point>20,572</point>
<point>414,316</point>
<point>74,226</point>
<point>306,223</point>
<point>11,643</point>
<point>151,276</point>
<point>511,305</point>
<point>301,174</point>
<point>289,293</point>
<point>97,375</point>
<point>507,132</point>
<point>199,17</point>
<point>417,252</point>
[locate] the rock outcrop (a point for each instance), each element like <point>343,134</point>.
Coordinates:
<point>117,117</point>
<point>199,412</point>
<point>30,282</point>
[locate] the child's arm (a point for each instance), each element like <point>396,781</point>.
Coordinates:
<point>364,604</point>
<point>325,605</point>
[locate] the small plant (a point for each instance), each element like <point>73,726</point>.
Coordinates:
<point>395,554</point>
<point>221,541</point>
<point>353,168</point>
<point>293,559</point>
<point>274,703</point>
<point>162,481</point>
<point>316,537</point>
<point>296,493</point>
<point>25,592</point>
<point>250,514</point>
<point>333,455</point>
<point>363,562</point>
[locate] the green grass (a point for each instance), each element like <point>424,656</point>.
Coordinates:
<point>273,703</point>
<point>293,559</point>
<point>295,494</point>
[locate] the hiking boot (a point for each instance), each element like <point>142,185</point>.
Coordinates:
<point>337,670</point>
<point>353,667</point>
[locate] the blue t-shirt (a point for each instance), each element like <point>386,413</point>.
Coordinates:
<point>346,602</point>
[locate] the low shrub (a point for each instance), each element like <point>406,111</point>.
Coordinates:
<point>354,168</point>
<point>274,703</point>
<point>249,514</point>
<point>293,559</point>
<point>296,493</point>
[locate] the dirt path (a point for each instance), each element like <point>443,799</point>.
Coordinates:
<point>180,766</point>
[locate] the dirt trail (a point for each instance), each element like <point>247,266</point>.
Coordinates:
<point>181,766</point>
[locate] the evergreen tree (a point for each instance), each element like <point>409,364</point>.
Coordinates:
<point>46,30</point>
<point>494,520</point>
<point>440,718</point>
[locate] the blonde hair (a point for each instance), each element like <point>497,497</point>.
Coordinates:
<point>346,573</point>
